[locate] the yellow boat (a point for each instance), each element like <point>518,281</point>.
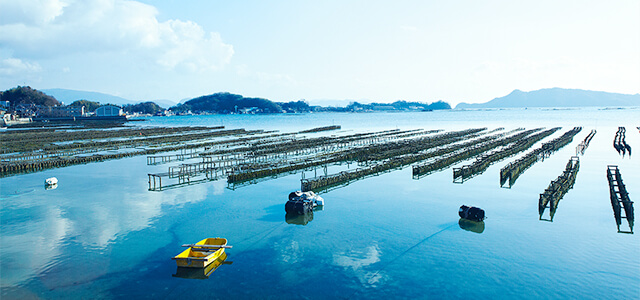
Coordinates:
<point>202,253</point>
<point>202,273</point>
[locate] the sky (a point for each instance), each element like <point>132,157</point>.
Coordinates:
<point>370,51</point>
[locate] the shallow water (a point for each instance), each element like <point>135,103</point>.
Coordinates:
<point>102,234</point>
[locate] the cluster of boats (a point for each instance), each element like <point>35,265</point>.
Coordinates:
<point>202,258</point>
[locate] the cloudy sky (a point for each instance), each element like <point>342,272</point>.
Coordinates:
<point>456,51</point>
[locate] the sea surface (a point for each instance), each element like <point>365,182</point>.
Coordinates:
<point>101,234</point>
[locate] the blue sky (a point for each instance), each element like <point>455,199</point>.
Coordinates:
<point>456,51</point>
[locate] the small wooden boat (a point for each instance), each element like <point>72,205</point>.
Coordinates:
<point>202,273</point>
<point>202,253</point>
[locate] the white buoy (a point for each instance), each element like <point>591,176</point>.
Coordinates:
<point>51,181</point>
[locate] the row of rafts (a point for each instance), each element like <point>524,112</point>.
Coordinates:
<point>387,156</point>
<point>302,211</point>
<point>620,143</point>
<point>620,201</point>
<point>60,149</point>
<point>513,170</point>
<point>199,260</point>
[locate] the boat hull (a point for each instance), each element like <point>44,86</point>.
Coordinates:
<point>200,273</point>
<point>194,258</point>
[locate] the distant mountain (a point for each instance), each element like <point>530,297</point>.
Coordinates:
<point>164,103</point>
<point>557,97</point>
<point>68,96</point>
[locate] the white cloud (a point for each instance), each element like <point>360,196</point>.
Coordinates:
<point>187,44</point>
<point>268,79</point>
<point>24,260</point>
<point>358,261</point>
<point>30,12</point>
<point>49,29</point>
<point>14,66</point>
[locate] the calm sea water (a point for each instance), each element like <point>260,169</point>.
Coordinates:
<point>102,234</point>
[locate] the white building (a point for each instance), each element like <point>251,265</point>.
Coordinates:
<point>109,111</point>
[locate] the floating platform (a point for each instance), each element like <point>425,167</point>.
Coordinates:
<point>620,202</point>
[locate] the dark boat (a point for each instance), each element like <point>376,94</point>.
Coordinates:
<point>471,213</point>
<point>303,202</point>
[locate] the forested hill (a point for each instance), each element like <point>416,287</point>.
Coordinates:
<point>398,106</point>
<point>218,103</point>
<point>224,103</point>
<point>25,95</point>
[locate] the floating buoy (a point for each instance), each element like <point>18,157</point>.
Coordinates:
<point>51,181</point>
<point>303,202</point>
<point>471,213</point>
<point>298,207</point>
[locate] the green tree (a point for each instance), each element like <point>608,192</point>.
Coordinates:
<point>25,95</point>
<point>89,106</point>
<point>143,108</point>
<point>297,106</point>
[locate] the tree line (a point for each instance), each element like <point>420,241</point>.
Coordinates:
<point>218,103</point>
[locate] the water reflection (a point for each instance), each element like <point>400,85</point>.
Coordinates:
<point>29,252</point>
<point>296,219</point>
<point>620,143</point>
<point>202,273</point>
<point>468,225</point>
<point>552,205</point>
<point>38,228</point>
<point>629,221</point>
<point>358,261</point>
